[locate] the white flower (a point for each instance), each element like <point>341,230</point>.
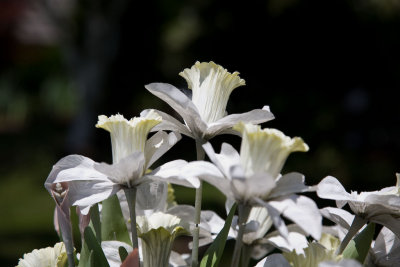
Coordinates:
<point>45,257</point>
<point>205,114</point>
<point>130,136</point>
<point>157,232</point>
<point>266,150</point>
<point>252,179</point>
<point>211,85</point>
<point>89,182</point>
<point>317,254</point>
<point>382,207</point>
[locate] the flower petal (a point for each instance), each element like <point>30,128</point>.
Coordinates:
<point>225,160</point>
<point>255,116</point>
<point>168,123</point>
<point>173,172</point>
<point>331,188</point>
<point>158,145</point>
<point>181,104</point>
<point>128,171</point>
<point>301,210</point>
<point>275,216</point>
<point>288,184</point>
<point>273,260</point>
<point>111,251</point>
<point>208,172</point>
<point>386,248</point>
<point>338,216</point>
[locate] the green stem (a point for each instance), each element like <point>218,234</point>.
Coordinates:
<point>197,205</point>
<point>246,254</point>
<point>243,215</point>
<point>131,199</point>
<point>356,225</point>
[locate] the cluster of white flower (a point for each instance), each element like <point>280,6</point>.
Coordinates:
<point>128,215</point>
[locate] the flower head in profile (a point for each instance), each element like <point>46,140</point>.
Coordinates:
<point>205,113</point>
<point>130,136</point>
<point>382,207</point>
<point>90,182</point>
<point>45,257</point>
<point>253,177</point>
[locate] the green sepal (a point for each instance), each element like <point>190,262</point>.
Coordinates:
<point>214,252</point>
<point>122,253</point>
<point>98,255</point>
<point>113,225</point>
<point>358,247</point>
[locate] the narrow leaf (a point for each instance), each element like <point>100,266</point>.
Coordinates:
<point>91,259</point>
<point>113,225</point>
<point>98,254</point>
<point>95,219</point>
<point>358,247</point>
<point>214,252</point>
<point>122,253</point>
<point>84,259</point>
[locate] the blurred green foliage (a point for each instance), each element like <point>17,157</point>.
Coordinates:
<point>330,71</point>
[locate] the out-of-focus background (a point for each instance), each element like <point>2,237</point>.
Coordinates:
<point>329,70</point>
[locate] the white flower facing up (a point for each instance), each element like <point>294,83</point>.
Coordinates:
<point>90,182</point>
<point>316,254</point>
<point>45,257</point>
<point>158,231</point>
<point>205,114</point>
<point>252,177</point>
<point>382,207</point>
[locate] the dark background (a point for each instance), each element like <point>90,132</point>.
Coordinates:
<point>329,70</point>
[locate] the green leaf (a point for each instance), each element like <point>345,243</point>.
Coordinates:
<point>95,220</point>
<point>85,256</point>
<point>91,259</point>
<point>113,225</point>
<point>214,252</point>
<point>358,247</point>
<point>122,253</point>
<point>98,254</point>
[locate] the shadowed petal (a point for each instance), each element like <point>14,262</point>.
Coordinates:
<point>276,217</point>
<point>338,216</point>
<point>168,123</point>
<point>289,184</point>
<point>225,160</point>
<point>303,211</point>
<point>158,145</point>
<point>127,171</point>
<point>386,248</point>
<point>274,260</point>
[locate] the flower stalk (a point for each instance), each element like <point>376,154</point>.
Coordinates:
<point>197,205</point>
<point>244,212</point>
<point>131,199</point>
